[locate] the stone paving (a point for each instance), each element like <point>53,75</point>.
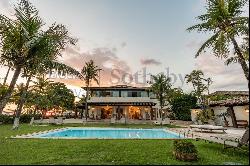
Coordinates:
<point>196,133</point>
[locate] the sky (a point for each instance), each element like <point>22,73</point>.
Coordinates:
<point>131,39</point>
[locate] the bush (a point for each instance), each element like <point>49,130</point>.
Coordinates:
<point>205,115</point>
<point>24,118</point>
<point>181,106</point>
<point>6,119</point>
<point>185,150</point>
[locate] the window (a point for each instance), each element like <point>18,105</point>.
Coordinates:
<point>144,94</point>
<point>124,94</point>
<point>134,94</point>
<point>152,95</point>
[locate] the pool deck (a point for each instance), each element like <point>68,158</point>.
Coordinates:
<point>196,133</point>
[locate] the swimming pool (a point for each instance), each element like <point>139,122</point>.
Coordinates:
<point>108,133</point>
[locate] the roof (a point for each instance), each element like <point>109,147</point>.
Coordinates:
<point>236,93</point>
<point>231,102</point>
<point>232,98</point>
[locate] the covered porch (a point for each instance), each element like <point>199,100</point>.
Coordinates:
<point>131,109</point>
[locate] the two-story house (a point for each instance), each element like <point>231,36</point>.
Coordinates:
<point>121,101</point>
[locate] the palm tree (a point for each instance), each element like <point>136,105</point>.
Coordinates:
<point>223,18</point>
<point>25,44</point>
<point>88,73</point>
<point>161,87</point>
<point>42,68</point>
<point>6,76</point>
<point>39,94</point>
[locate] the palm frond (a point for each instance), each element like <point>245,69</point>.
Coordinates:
<point>207,44</point>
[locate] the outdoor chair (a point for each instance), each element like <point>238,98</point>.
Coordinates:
<point>208,127</point>
<point>112,120</point>
<point>158,121</point>
<point>122,120</point>
<point>242,123</point>
<point>39,121</point>
<point>52,120</point>
<point>32,121</point>
<point>166,121</point>
<point>59,120</point>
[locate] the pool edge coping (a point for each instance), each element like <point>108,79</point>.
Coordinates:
<point>31,135</point>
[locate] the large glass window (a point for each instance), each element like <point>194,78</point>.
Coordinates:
<point>124,94</point>
<point>134,94</point>
<point>115,93</point>
<point>106,94</point>
<point>144,94</point>
<point>152,95</point>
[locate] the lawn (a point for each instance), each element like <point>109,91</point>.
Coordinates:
<point>46,151</point>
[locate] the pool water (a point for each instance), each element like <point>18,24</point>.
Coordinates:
<point>111,133</point>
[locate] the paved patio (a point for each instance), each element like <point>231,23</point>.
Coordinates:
<point>196,133</point>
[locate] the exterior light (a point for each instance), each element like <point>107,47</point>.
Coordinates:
<point>247,109</point>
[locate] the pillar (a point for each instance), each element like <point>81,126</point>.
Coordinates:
<point>230,110</point>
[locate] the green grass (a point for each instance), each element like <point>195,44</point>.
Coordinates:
<point>46,151</point>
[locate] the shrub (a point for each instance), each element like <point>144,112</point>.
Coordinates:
<point>181,106</point>
<point>6,119</point>
<point>205,115</point>
<point>24,118</point>
<point>185,150</point>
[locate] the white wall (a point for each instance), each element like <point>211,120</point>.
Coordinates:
<point>240,114</point>
<point>194,113</point>
<point>220,120</point>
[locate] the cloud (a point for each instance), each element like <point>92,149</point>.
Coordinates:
<point>6,8</point>
<point>123,44</point>
<point>4,3</point>
<point>224,77</point>
<point>150,62</point>
<point>104,58</point>
<point>194,44</point>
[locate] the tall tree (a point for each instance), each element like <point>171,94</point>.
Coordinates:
<point>24,43</point>
<point>200,85</point>
<point>161,87</point>
<point>89,73</point>
<point>6,76</point>
<point>40,69</point>
<point>225,21</point>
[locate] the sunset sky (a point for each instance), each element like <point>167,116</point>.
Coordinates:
<point>135,36</point>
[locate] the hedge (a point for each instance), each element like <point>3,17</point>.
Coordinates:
<point>25,118</point>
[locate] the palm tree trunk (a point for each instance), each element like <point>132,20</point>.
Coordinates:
<point>119,113</point>
<point>4,99</point>
<point>20,104</point>
<point>241,59</point>
<point>86,102</point>
<point>6,76</point>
